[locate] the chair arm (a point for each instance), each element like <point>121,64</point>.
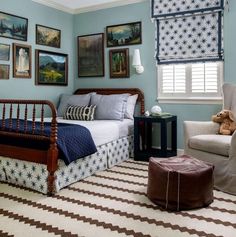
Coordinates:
<point>233,145</point>
<point>194,128</point>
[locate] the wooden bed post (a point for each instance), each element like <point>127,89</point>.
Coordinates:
<point>52,158</point>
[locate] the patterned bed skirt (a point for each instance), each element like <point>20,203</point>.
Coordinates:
<point>34,176</point>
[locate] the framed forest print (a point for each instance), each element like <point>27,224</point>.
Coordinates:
<point>125,34</point>
<point>4,71</point>
<point>119,63</point>
<point>48,36</point>
<point>14,27</point>
<point>21,61</point>
<point>91,55</point>
<point>51,68</point>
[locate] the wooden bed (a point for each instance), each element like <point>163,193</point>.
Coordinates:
<point>32,109</point>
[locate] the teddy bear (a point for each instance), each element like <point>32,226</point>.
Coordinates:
<point>226,120</point>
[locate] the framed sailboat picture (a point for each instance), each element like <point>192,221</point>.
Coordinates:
<point>21,61</point>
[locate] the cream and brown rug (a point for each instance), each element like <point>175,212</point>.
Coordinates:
<point>110,203</point>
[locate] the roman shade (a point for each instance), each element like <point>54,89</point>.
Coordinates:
<point>188,30</point>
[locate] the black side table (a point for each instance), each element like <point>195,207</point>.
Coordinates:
<point>143,147</point>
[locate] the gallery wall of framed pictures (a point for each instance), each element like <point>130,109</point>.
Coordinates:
<point>91,50</point>
<point>51,68</point>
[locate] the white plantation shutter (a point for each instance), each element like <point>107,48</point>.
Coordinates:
<point>190,80</point>
<point>174,79</point>
<point>205,78</point>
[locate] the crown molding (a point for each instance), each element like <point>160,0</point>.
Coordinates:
<point>87,9</point>
<point>55,5</point>
<point>106,5</point>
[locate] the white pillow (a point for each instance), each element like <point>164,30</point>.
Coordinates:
<point>110,106</point>
<point>131,102</point>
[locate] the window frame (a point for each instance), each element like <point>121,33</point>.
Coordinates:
<point>187,97</point>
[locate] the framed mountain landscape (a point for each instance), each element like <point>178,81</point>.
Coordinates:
<point>14,27</point>
<point>4,52</point>
<point>51,68</point>
<point>48,36</point>
<point>124,34</point>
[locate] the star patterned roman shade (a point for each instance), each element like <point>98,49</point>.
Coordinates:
<point>188,30</point>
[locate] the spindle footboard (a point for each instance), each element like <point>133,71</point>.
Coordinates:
<point>20,139</point>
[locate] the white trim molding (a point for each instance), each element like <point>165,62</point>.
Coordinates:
<point>94,7</point>
<point>55,6</point>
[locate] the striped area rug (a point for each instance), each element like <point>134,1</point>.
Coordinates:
<point>110,203</point>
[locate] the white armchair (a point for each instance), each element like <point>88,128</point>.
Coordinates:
<point>202,141</point>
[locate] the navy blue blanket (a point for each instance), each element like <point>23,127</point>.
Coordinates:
<point>73,141</point>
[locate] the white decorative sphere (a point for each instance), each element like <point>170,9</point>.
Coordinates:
<point>156,109</point>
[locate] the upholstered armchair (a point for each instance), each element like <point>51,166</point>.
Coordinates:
<point>202,141</point>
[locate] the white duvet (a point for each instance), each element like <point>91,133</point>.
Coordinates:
<point>103,131</point>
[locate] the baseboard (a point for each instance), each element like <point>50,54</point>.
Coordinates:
<point>180,152</point>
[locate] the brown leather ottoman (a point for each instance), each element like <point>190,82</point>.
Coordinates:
<point>180,183</point>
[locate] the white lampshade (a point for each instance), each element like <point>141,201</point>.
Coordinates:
<point>136,58</point>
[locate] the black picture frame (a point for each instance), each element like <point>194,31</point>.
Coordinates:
<point>21,67</point>
<point>4,52</point>
<point>124,34</point>
<point>91,55</point>
<point>4,72</point>
<point>119,63</point>
<point>51,68</point>
<point>13,27</point>
<point>48,36</point>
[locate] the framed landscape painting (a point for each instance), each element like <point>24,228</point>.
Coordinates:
<point>4,52</point>
<point>119,63</point>
<point>51,68</point>
<point>91,55</point>
<point>14,27</point>
<point>4,71</point>
<point>125,34</point>
<point>48,36</point>
<point>21,61</point>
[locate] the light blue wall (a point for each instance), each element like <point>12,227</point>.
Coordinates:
<point>38,14</point>
<point>95,22</point>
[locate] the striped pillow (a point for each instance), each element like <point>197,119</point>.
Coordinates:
<point>80,112</point>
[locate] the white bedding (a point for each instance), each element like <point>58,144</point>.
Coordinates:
<point>103,131</point>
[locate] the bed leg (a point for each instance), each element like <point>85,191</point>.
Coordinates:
<point>51,184</point>
<point>52,167</point>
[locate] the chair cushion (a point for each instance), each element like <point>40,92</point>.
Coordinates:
<point>217,144</point>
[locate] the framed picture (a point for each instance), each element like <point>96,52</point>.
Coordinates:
<point>48,36</point>
<point>13,27</point>
<point>4,52</point>
<point>125,34</point>
<point>4,71</point>
<point>51,68</point>
<point>21,61</point>
<point>91,55</point>
<point>119,63</point>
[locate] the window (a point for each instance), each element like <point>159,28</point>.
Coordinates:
<point>190,82</point>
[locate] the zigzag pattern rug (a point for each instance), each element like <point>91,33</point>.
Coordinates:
<point>110,203</point>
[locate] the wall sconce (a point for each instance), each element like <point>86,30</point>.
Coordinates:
<point>137,62</point>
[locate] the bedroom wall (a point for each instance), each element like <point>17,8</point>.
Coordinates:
<point>95,22</point>
<point>38,14</point>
